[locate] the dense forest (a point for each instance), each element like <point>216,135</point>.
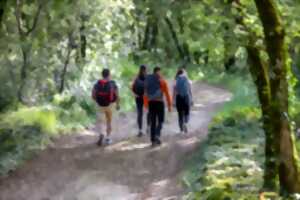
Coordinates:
<point>52,52</point>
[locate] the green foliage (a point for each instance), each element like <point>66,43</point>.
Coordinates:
<point>22,132</point>
<point>231,160</point>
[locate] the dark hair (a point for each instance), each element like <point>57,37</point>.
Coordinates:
<point>142,71</point>
<point>156,69</point>
<point>105,73</point>
<point>179,72</point>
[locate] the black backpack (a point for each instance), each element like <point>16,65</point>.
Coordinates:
<point>139,86</point>
<point>105,92</point>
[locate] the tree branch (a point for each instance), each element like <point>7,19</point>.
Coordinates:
<point>36,19</point>
<point>18,16</point>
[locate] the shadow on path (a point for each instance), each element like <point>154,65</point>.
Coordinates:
<point>74,168</point>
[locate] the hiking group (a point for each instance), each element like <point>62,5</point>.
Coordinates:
<point>151,93</point>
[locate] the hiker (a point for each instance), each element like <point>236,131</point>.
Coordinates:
<point>182,98</point>
<point>138,89</point>
<point>105,93</point>
<point>156,88</point>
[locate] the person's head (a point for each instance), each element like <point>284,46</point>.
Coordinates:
<point>106,73</point>
<point>156,70</point>
<point>179,72</point>
<point>143,70</point>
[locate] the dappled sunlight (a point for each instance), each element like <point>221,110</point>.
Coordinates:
<point>127,146</point>
<point>162,183</point>
<point>188,141</point>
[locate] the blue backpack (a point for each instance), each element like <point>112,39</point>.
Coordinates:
<point>152,87</point>
<point>182,86</point>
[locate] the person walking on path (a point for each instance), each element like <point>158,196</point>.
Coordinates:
<point>183,99</point>
<point>105,93</point>
<point>138,89</point>
<point>156,88</point>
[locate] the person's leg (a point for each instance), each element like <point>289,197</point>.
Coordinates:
<point>108,116</point>
<point>99,125</point>
<point>148,122</point>
<point>186,114</point>
<point>180,111</point>
<point>139,106</point>
<point>161,118</point>
<point>152,111</point>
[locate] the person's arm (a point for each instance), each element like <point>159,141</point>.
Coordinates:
<point>165,90</point>
<point>132,89</point>
<point>190,92</point>
<point>94,93</point>
<point>174,93</point>
<point>117,96</point>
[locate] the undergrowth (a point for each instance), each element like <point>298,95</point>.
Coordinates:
<point>230,161</point>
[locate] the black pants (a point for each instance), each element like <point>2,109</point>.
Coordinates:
<point>140,112</point>
<point>157,116</point>
<point>183,109</point>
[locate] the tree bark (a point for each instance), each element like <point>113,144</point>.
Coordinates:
<point>145,45</point>
<point>2,10</point>
<point>65,68</point>
<point>281,130</point>
<point>260,76</point>
<point>25,44</point>
<point>83,40</point>
<point>23,74</point>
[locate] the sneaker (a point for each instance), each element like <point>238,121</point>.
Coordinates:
<point>100,141</point>
<point>108,141</point>
<point>185,128</point>
<point>158,142</point>
<point>140,134</point>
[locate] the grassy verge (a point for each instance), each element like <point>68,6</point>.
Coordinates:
<point>30,129</point>
<point>230,161</point>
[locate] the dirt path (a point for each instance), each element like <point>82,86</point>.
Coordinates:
<point>75,169</point>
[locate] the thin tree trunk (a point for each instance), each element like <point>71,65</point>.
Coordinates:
<point>281,130</point>
<point>145,45</point>
<point>2,10</point>
<point>25,43</point>
<point>175,38</point>
<point>23,74</point>
<point>83,40</point>
<point>154,33</point>
<point>64,72</point>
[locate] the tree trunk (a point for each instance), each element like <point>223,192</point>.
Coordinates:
<point>145,45</point>
<point>64,72</point>
<point>175,38</point>
<point>83,41</point>
<point>154,33</point>
<point>23,74</point>
<point>281,130</point>
<point>2,9</point>
<point>260,76</point>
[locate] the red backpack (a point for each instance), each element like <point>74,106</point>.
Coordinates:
<point>105,92</point>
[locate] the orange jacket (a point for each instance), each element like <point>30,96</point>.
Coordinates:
<point>165,90</point>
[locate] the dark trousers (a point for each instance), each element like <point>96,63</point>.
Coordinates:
<point>140,112</point>
<point>157,116</point>
<point>183,109</point>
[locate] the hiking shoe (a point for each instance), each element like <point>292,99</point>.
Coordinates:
<point>140,134</point>
<point>108,141</point>
<point>158,142</point>
<point>100,141</point>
